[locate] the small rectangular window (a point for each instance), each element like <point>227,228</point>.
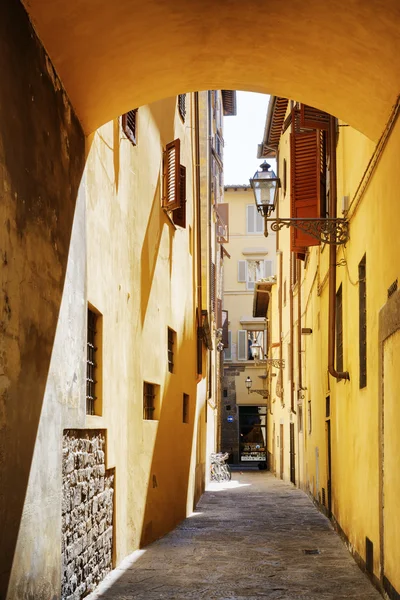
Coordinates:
<point>362,310</point>
<point>182,106</point>
<point>171,349</point>
<point>339,330</point>
<point>93,367</point>
<point>129,125</point>
<point>185,408</point>
<point>150,401</point>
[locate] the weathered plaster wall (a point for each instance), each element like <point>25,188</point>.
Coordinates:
<point>87,513</point>
<point>41,162</point>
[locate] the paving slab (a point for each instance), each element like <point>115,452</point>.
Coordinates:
<point>254,537</point>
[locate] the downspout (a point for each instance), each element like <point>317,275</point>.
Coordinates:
<point>280,254</point>
<point>332,257</point>
<point>299,356</point>
<point>198,206</point>
<point>291,335</point>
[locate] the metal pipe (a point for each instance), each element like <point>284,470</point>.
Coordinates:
<point>300,358</point>
<point>291,356</point>
<point>332,257</point>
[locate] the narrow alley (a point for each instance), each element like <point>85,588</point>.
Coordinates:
<point>254,537</point>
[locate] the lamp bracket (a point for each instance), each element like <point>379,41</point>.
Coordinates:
<point>263,393</point>
<point>327,231</point>
<point>277,363</point>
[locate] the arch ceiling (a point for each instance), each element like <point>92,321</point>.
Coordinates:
<point>342,56</point>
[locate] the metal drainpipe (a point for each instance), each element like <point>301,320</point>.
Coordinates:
<point>332,258</point>
<point>198,205</point>
<point>300,358</point>
<point>280,254</point>
<point>291,334</point>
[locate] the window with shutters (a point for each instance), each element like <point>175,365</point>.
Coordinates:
<point>228,349</point>
<point>171,349</point>
<point>252,270</point>
<point>182,106</point>
<point>93,363</point>
<point>171,199</point>
<point>339,330</point>
<point>179,214</point>
<point>246,339</point>
<point>308,143</point>
<point>362,309</point>
<point>254,221</point>
<point>129,125</point>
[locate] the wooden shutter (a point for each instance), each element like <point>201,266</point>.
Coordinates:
<point>228,349</point>
<point>225,340</point>
<point>267,268</point>
<point>313,118</point>
<point>305,184</point>
<point>242,271</point>
<point>182,106</point>
<point>179,215</point>
<point>250,218</point>
<point>242,344</point>
<point>171,191</point>
<point>129,125</point>
<point>259,222</point>
<point>219,313</point>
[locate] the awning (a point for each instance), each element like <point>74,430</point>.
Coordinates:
<point>262,293</point>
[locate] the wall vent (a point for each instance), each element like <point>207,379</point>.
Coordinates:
<point>393,288</point>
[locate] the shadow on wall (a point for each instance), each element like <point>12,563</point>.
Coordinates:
<point>151,248</point>
<point>169,474</point>
<point>40,176</point>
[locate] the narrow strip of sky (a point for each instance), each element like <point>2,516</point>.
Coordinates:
<point>242,134</point>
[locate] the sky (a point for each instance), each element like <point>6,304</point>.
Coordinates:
<point>242,134</point>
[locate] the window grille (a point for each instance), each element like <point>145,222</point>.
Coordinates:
<point>171,343</point>
<point>362,310</point>
<point>91,363</point>
<point>182,106</point>
<point>129,125</point>
<point>339,330</point>
<point>148,401</point>
<point>185,408</point>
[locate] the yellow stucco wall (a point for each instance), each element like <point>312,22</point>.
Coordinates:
<point>142,285</point>
<point>354,412</point>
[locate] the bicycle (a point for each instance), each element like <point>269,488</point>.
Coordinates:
<point>220,471</point>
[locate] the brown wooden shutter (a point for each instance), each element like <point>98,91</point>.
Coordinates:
<point>305,184</point>
<point>179,215</point>
<point>171,192</point>
<point>225,331</point>
<point>129,125</point>
<point>313,118</point>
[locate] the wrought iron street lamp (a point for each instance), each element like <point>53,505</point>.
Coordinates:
<point>327,230</point>
<point>264,393</point>
<point>264,185</point>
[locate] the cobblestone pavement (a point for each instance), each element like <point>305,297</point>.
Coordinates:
<point>247,539</point>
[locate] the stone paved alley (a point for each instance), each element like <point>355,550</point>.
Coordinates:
<point>246,540</point>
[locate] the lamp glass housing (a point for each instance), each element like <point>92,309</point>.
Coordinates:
<point>264,185</point>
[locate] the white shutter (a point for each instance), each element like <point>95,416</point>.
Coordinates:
<point>228,350</point>
<point>250,285</point>
<point>267,268</point>
<point>242,344</point>
<point>259,222</point>
<point>242,270</point>
<point>250,218</point>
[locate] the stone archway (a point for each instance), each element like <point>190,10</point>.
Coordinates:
<point>112,56</point>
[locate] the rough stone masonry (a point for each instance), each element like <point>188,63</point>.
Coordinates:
<point>87,513</point>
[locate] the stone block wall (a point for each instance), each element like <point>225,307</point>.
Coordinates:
<point>87,513</point>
